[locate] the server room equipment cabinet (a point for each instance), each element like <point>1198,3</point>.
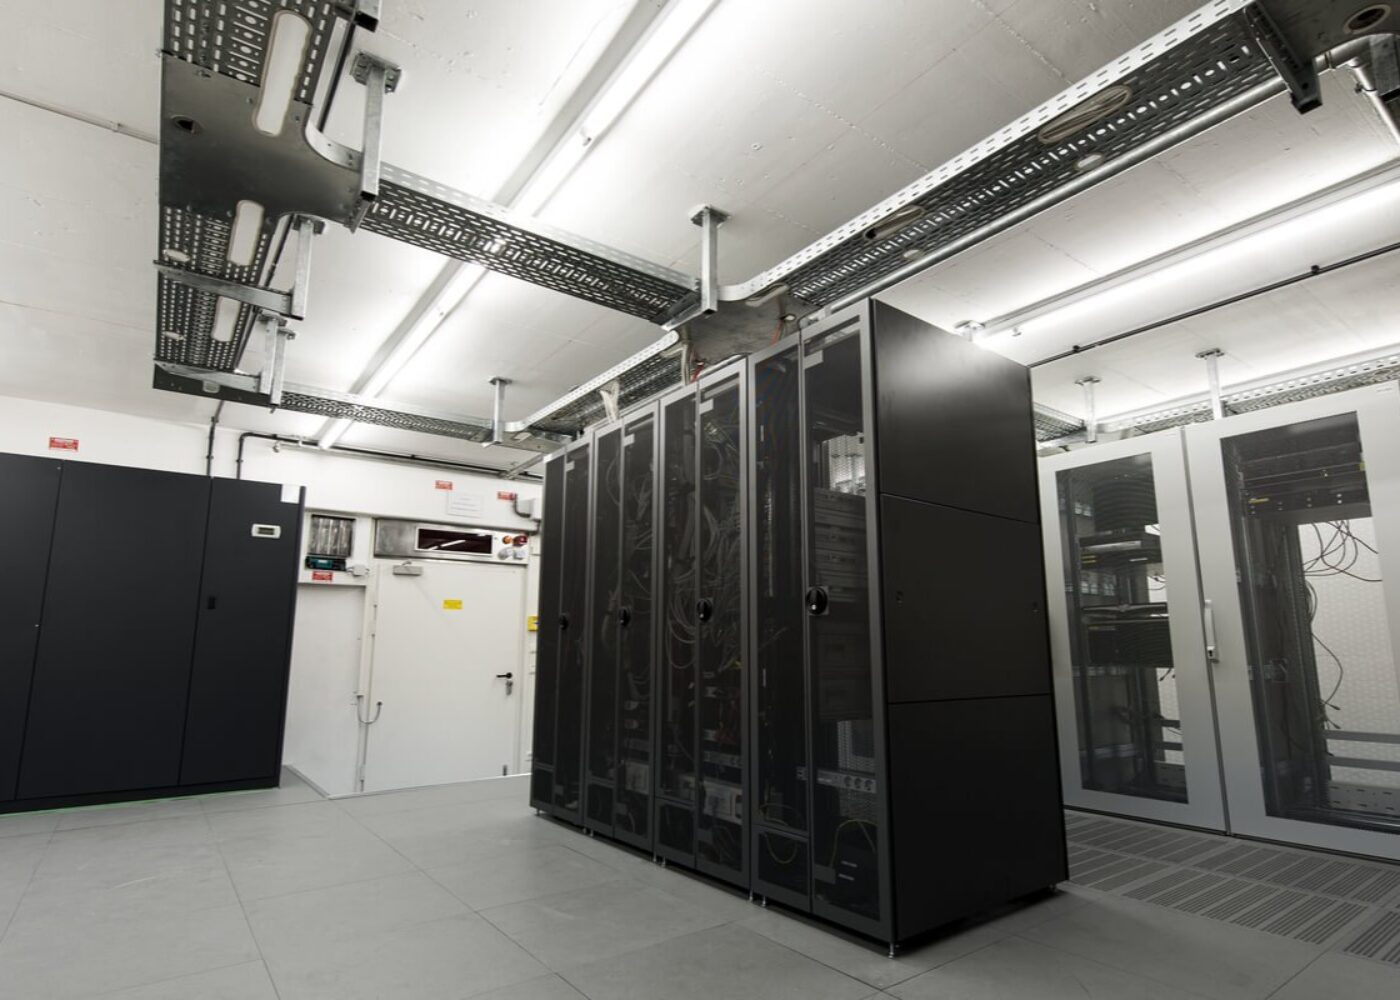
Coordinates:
<point>1132,682</point>
<point>1298,526</point>
<point>904,771</point>
<point>146,643</point>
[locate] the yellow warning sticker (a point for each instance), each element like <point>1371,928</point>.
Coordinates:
<point>532,623</point>
<point>452,604</point>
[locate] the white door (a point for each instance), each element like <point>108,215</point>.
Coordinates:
<point>1135,707</point>
<point>443,640</point>
<point>1298,520</point>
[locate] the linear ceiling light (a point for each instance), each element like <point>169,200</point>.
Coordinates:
<point>651,53</point>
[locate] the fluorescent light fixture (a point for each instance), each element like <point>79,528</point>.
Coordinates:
<point>247,227</point>
<point>225,319</point>
<point>334,433</point>
<point>651,53</point>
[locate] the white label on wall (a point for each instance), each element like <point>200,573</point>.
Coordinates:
<point>464,504</point>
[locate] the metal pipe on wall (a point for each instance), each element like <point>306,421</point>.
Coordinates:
<point>397,458</point>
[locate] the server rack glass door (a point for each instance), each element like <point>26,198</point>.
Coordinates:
<point>721,646</point>
<point>676,783</point>
<point>780,827</point>
<point>604,639</point>
<point>849,834</point>
<point>1298,521</point>
<point>637,620</point>
<point>1137,718</point>
<point>547,641</point>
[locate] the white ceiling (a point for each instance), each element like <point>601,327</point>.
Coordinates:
<point>792,115</point>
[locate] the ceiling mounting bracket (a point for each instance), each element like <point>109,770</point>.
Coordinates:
<point>1385,66</point>
<point>291,304</point>
<point>379,78</point>
<point>1298,72</point>
<point>1212,358</point>
<point>364,13</point>
<point>705,300</point>
<point>275,337</point>
<point>498,412</point>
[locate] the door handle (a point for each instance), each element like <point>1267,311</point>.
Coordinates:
<point>509,678</point>
<point>563,622</point>
<point>211,602</point>
<point>817,601</point>
<point>624,617</point>
<point>704,609</point>
<point>1208,618</point>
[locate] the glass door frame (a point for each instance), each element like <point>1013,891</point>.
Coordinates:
<point>1377,411</point>
<point>1205,805</point>
<point>860,316</point>
<point>738,374</point>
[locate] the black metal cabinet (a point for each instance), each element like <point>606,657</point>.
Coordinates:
<point>28,496</point>
<point>242,648</point>
<point>111,680</point>
<point>146,630</point>
<point>548,637</point>
<point>904,743</point>
<point>605,585</point>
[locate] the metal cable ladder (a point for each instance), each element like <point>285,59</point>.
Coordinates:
<point>1220,61</point>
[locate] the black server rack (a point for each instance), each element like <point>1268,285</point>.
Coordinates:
<point>904,750</point>
<point>846,693</point>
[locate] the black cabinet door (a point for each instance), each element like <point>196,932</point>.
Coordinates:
<point>238,684</point>
<point>600,764</point>
<point>573,638</point>
<point>107,710</point>
<point>964,604</point>
<point>548,636</point>
<point>28,495</point>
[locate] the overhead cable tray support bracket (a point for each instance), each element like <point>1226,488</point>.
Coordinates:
<point>705,300</point>
<point>1299,73</point>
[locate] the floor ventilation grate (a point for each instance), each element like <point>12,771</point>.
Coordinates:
<point>1380,941</point>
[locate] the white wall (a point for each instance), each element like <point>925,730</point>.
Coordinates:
<point>328,631</point>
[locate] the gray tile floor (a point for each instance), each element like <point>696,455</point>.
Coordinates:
<point>460,891</point>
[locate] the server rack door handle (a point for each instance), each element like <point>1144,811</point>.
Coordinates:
<point>704,609</point>
<point>211,602</point>
<point>1208,617</point>
<point>563,622</point>
<point>624,617</point>
<point>817,601</point>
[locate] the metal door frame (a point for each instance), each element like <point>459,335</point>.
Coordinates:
<point>768,890</point>
<point>1377,410</point>
<point>659,849</point>
<point>1205,805</point>
<point>739,373</point>
<point>861,315</point>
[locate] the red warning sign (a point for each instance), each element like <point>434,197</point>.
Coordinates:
<point>443,484</point>
<point>504,495</point>
<point>322,576</point>
<point>63,444</point>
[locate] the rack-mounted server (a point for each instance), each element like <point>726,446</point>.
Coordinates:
<point>832,552</point>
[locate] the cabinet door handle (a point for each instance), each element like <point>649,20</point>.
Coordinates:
<point>211,602</point>
<point>817,601</point>
<point>1208,617</point>
<point>563,622</point>
<point>704,609</point>
<point>624,617</point>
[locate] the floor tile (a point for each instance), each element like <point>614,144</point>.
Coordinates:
<point>286,849</point>
<point>436,844</point>
<point>249,981</point>
<point>21,824</point>
<point>132,883</point>
<point>1198,955</point>
<point>514,788</point>
<point>715,964</point>
<point>594,923</point>
<point>1341,977</point>
<point>291,791</point>
<point>60,956</point>
<point>866,962</point>
<point>512,878</point>
<point>544,988</point>
<point>1017,969</point>
<point>121,813</point>
<point>403,936</point>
